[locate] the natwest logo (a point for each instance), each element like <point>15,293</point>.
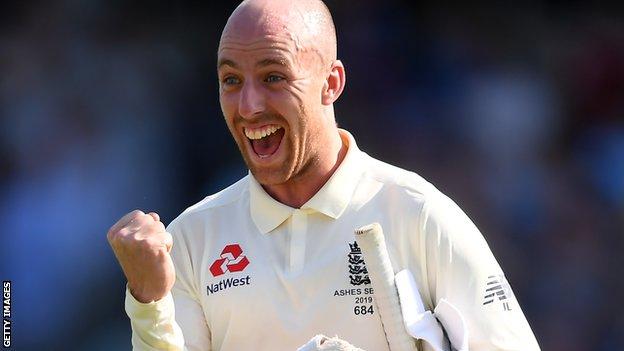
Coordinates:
<point>232,260</point>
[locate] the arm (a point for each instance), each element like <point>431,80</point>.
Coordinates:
<point>160,326</point>
<point>153,324</point>
<point>186,295</point>
<point>145,252</point>
<point>462,270</point>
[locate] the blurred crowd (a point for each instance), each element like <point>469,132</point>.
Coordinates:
<point>517,113</point>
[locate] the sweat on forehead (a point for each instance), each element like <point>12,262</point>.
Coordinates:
<point>307,23</point>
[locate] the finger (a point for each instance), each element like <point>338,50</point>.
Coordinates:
<point>152,230</point>
<point>154,227</point>
<point>125,220</point>
<point>155,216</point>
<point>162,239</point>
<point>141,222</point>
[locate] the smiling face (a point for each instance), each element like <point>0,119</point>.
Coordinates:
<point>271,81</point>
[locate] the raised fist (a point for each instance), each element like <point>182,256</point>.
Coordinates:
<point>142,248</point>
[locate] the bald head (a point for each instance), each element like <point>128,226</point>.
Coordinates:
<point>307,23</point>
<point>278,80</point>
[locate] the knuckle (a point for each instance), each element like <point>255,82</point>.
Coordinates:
<point>150,229</point>
<point>157,227</point>
<point>151,245</point>
<point>114,235</point>
<point>142,221</point>
<point>136,214</point>
<point>124,232</point>
<point>134,244</point>
<point>124,240</point>
<point>132,240</point>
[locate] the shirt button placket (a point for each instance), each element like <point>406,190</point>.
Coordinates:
<point>298,228</point>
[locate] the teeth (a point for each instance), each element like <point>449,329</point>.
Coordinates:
<point>262,132</point>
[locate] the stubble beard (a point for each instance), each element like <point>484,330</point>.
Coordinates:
<point>274,174</point>
<point>299,157</point>
<point>277,174</point>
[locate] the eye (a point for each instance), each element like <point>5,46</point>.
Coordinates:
<point>230,80</point>
<point>274,78</point>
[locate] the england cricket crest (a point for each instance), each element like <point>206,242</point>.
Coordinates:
<point>358,274</point>
<point>358,297</point>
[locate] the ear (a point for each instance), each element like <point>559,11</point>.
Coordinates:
<point>334,83</point>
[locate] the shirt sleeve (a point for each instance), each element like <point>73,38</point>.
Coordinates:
<point>462,270</point>
<point>186,295</point>
<point>153,324</point>
<point>176,322</point>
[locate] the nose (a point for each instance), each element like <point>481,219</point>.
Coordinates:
<point>252,100</point>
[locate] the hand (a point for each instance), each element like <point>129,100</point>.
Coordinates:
<point>142,247</point>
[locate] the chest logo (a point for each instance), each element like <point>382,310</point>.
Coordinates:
<point>358,274</point>
<point>231,260</point>
<point>360,291</point>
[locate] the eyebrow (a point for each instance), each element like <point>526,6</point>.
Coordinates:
<point>272,61</point>
<point>262,63</point>
<point>226,62</point>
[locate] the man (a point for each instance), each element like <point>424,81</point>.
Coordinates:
<point>271,261</point>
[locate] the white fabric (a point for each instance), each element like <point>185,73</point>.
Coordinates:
<point>426,326</point>
<point>419,323</point>
<point>303,278</point>
<point>154,321</point>
<point>454,324</point>
<point>323,343</point>
<point>313,344</point>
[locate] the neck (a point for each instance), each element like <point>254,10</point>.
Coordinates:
<point>298,190</point>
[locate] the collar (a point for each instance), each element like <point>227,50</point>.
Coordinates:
<point>331,200</point>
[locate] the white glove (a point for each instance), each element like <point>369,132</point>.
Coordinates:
<point>323,343</point>
<point>427,326</point>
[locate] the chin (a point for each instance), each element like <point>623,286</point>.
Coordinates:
<point>268,176</point>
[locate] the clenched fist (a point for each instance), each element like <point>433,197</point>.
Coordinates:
<point>142,248</point>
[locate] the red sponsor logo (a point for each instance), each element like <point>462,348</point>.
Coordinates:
<point>232,260</point>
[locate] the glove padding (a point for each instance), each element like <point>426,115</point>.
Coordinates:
<point>323,343</point>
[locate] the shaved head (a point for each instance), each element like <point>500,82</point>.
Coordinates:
<point>308,23</point>
<point>278,80</point>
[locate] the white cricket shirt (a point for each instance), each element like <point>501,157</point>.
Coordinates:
<point>254,274</point>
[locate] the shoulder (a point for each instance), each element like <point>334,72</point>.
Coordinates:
<point>437,215</point>
<point>436,211</point>
<point>409,191</point>
<point>218,201</point>
<point>399,181</point>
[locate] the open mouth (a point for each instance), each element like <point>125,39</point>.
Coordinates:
<point>265,140</point>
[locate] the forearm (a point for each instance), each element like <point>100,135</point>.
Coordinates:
<point>153,324</point>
